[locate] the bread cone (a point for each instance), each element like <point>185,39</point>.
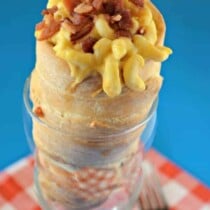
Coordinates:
<point>82,128</point>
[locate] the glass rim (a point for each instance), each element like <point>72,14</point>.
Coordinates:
<point>28,105</point>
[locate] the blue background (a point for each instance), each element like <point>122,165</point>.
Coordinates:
<point>183,132</point>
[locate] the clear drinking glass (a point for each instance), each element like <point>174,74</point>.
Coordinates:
<point>104,174</point>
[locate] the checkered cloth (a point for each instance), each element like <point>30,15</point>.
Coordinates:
<point>182,191</point>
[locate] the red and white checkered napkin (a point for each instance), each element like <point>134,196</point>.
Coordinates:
<point>182,191</point>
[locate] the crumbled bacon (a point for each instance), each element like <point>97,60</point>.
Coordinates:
<point>116,18</point>
<point>87,44</point>
<point>83,25</point>
<point>48,28</point>
<point>125,22</point>
<point>117,4</point>
<point>69,26</point>
<point>139,3</point>
<point>39,112</point>
<point>110,7</point>
<point>84,30</point>
<point>40,26</point>
<point>88,1</point>
<point>83,8</point>
<point>79,19</point>
<point>97,4</point>
<point>71,4</point>
<point>50,10</point>
<point>80,22</point>
<point>124,33</point>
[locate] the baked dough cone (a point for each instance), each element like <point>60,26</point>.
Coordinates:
<point>77,123</point>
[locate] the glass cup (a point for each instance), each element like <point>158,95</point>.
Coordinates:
<point>82,169</point>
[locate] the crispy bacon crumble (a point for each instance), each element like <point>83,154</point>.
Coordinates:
<point>82,32</point>
<point>48,27</point>
<point>39,112</point>
<point>87,44</point>
<point>124,33</point>
<point>50,11</point>
<point>139,3</point>
<point>81,19</point>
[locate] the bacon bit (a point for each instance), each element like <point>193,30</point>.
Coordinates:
<point>79,19</point>
<point>50,10</point>
<point>139,3</point>
<point>40,26</point>
<point>71,4</point>
<point>39,112</point>
<point>87,44</point>
<point>83,8</point>
<point>118,5</point>
<point>97,4</point>
<point>87,1</point>
<point>123,33</point>
<point>141,31</point>
<point>110,7</point>
<point>84,30</point>
<point>126,21</point>
<point>116,18</point>
<point>67,24</point>
<point>49,28</point>
<point>83,25</point>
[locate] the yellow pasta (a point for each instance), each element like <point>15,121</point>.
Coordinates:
<point>144,16</point>
<point>37,34</point>
<point>135,25</point>
<point>94,33</point>
<point>131,69</point>
<point>103,28</point>
<point>166,49</point>
<point>61,37</point>
<point>61,13</point>
<point>52,3</point>
<point>111,77</point>
<point>102,48</point>
<point>80,59</point>
<point>149,51</point>
<point>134,9</point>
<point>121,46</point>
<point>151,32</point>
